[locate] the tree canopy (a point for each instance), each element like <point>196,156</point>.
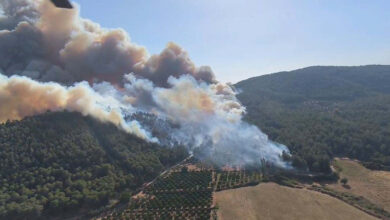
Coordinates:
<point>59,163</point>
<point>321,112</point>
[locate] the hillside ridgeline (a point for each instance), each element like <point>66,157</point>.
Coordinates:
<point>320,112</point>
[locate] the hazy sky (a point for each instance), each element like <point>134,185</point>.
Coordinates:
<point>244,38</point>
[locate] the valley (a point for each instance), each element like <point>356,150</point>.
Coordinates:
<point>65,165</point>
<point>195,190</point>
<point>169,110</point>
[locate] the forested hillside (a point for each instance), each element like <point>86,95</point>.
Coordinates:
<point>322,112</point>
<point>57,164</point>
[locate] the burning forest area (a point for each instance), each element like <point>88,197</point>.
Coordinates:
<point>76,90</point>
<point>95,126</point>
<point>55,60</point>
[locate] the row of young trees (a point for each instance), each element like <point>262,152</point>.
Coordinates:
<point>180,194</point>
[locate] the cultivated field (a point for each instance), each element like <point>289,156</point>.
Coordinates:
<point>372,185</point>
<point>176,195</point>
<point>271,201</point>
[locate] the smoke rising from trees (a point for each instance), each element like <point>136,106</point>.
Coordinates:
<point>53,59</point>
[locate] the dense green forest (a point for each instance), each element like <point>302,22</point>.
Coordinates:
<point>321,112</point>
<point>58,164</point>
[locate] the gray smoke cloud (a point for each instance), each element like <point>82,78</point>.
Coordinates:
<point>52,59</point>
<point>47,43</point>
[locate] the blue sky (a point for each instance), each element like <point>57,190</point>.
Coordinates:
<point>240,39</point>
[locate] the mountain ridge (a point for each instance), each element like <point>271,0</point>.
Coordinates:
<point>320,112</point>
<point>336,75</point>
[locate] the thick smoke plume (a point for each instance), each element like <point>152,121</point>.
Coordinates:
<point>49,44</point>
<point>21,97</point>
<point>52,59</point>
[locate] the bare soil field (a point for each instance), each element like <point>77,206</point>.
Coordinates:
<point>271,201</point>
<point>373,185</point>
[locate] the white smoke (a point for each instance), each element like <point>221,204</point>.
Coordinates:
<point>46,44</point>
<point>21,96</point>
<point>209,117</point>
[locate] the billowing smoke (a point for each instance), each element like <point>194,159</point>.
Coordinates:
<point>49,44</point>
<point>21,97</point>
<point>52,59</point>
<point>209,119</point>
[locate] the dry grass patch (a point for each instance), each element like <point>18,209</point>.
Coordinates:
<point>272,201</point>
<point>372,185</point>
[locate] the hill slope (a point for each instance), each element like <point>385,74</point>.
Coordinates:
<point>371,184</point>
<point>271,201</point>
<point>58,163</point>
<point>320,112</point>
